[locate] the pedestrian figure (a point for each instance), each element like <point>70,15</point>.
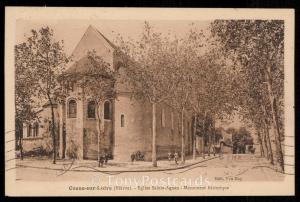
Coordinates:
<point>106,158</point>
<point>221,149</point>
<point>137,155</point>
<point>132,157</point>
<point>101,161</point>
<point>176,158</point>
<point>214,150</point>
<point>169,156</point>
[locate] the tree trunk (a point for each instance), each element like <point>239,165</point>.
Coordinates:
<point>265,144</point>
<point>98,133</point>
<point>194,137</point>
<point>203,136</point>
<point>20,129</point>
<point>154,161</point>
<point>209,143</point>
<point>64,140</point>
<point>214,137</point>
<point>182,138</point>
<point>277,121</point>
<point>100,130</point>
<point>210,136</point>
<point>274,122</point>
<point>269,143</point>
<point>53,131</point>
<point>277,136</point>
<point>203,147</point>
<point>262,152</point>
<point>21,148</point>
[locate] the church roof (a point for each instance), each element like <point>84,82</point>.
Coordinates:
<point>107,40</point>
<point>95,40</point>
<point>92,39</point>
<point>80,66</point>
<point>84,66</point>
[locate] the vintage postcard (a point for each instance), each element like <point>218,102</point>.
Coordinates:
<point>149,101</point>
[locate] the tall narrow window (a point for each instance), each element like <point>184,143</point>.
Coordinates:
<point>107,110</point>
<point>29,130</point>
<point>91,109</point>
<point>163,123</point>
<point>36,129</point>
<point>72,109</point>
<point>33,130</point>
<point>122,121</point>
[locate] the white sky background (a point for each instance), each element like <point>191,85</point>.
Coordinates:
<point>71,31</point>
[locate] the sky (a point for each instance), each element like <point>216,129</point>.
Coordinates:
<point>71,31</point>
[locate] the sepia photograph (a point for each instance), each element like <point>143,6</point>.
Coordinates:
<point>116,101</point>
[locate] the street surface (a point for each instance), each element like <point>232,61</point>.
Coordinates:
<point>227,168</point>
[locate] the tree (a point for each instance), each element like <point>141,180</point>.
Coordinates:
<point>44,58</point>
<point>150,75</point>
<point>202,126</point>
<point>214,93</point>
<point>193,82</point>
<point>201,73</point>
<point>187,51</point>
<point>258,46</point>
<point>252,108</point>
<point>24,96</point>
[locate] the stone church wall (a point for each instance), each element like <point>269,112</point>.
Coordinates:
<point>136,135</point>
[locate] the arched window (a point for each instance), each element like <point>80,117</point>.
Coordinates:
<point>122,121</point>
<point>72,109</point>
<point>29,131</point>
<point>91,109</point>
<point>107,114</point>
<point>36,127</point>
<point>34,130</point>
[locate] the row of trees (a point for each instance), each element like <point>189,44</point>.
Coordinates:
<point>163,70</point>
<point>185,72</point>
<point>238,68</point>
<point>257,49</point>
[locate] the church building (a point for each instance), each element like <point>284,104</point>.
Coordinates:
<point>127,121</point>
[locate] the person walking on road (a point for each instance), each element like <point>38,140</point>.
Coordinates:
<point>176,157</point>
<point>169,156</point>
